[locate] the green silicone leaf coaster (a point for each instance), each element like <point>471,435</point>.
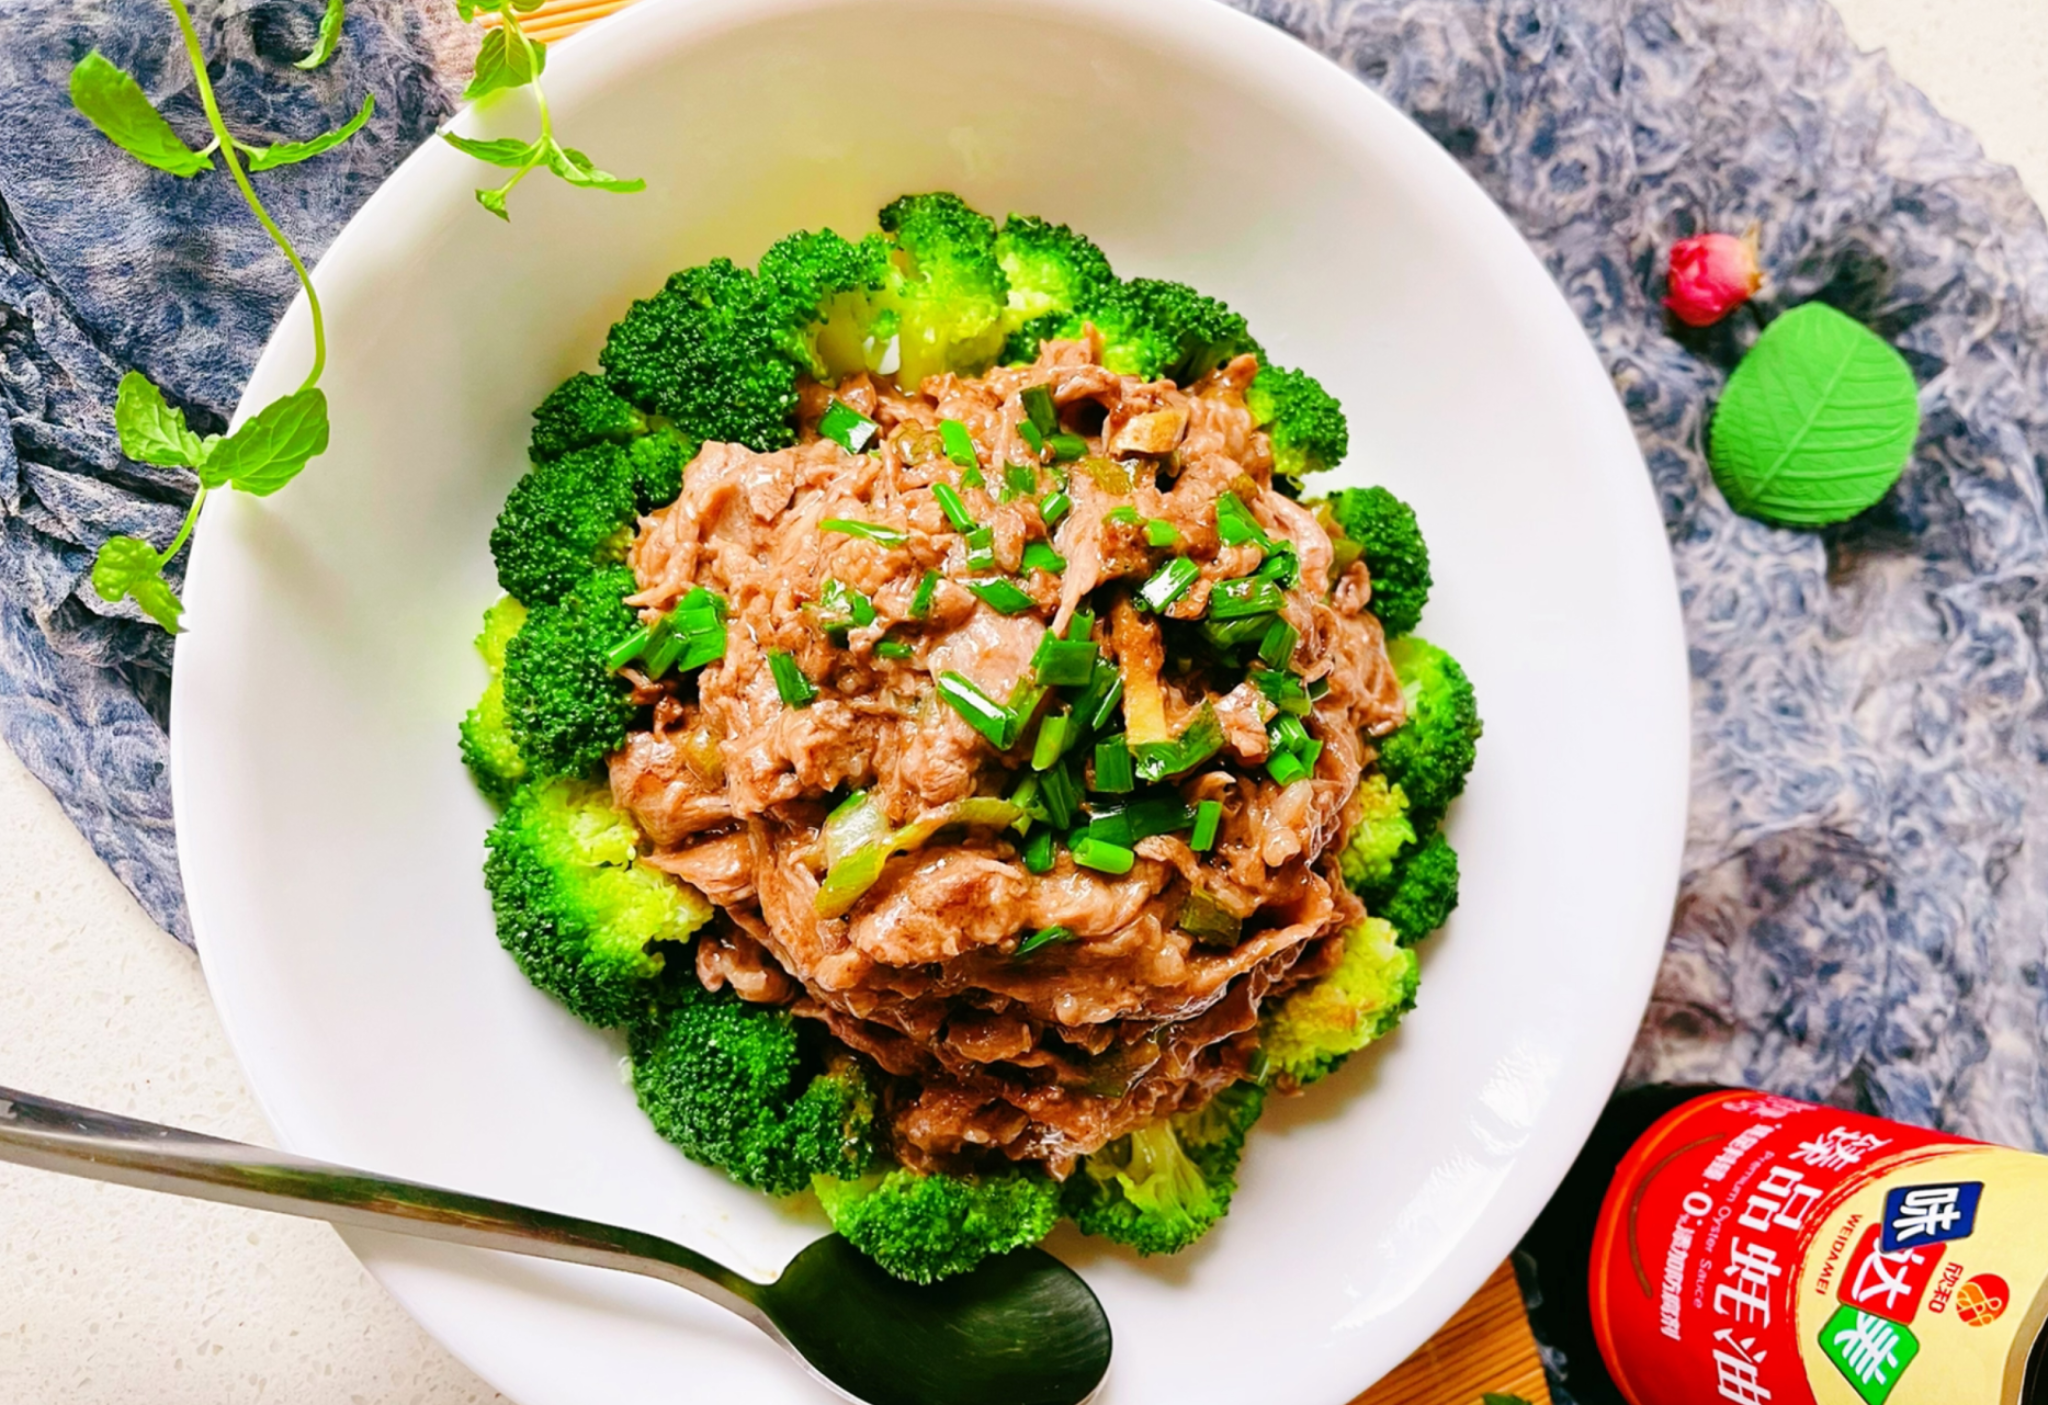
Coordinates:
<point>1816,423</point>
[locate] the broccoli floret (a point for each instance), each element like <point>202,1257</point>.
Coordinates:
<point>566,516</point>
<point>928,1227</point>
<point>566,708</point>
<point>656,464</point>
<point>1202,331</point>
<point>579,412</point>
<point>1396,557</point>
<point>950,294</point>
<point>1383,831</point>
<point>1305,421</point>
<point>1052,272</point>
<point>1316,1028</point>
<point>716,351</point>
<point>728,1083</point>
<point>1133,344</point>
<point>1162,1187</point>
<point>1431,754</point>
<point>487,746</point>
<point>575,908</point>
<point>1420,892</point>
<point>833,289</point>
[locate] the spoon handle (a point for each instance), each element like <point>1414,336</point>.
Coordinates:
<point>78,1141</point>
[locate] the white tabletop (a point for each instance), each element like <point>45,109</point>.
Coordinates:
<point>114,1297</point>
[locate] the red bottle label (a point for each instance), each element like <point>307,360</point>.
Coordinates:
<point>1769,1252</point>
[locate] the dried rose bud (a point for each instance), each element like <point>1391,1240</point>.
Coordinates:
<point>1711,276</point>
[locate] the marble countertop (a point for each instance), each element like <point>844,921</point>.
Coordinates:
<point>109,1296</point>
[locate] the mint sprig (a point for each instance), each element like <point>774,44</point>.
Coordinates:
<point>273,445</point>
<point>511,58</point>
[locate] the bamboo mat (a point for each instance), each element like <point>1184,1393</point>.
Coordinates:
<point>1486,1348</point>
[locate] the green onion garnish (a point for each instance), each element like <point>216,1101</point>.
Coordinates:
<point>892,649</point>
<point>1283,690</point>
<point>980,711</point>
<point>1113,766</point>
<point>959,444</point>
<point>1251,596</point>
<point>1039,408</point>
<point>1060,795</point>
<point>1081,625</point>
<point>847,427</point>
<point>1020,480</point>
<point>1002,595</point>
<point>1160,532</point>
<point>840,608</point>
<point>1052,740</point>
<point>628,649</point>
<point>1038,852</point>
<point>1288,733</point>
<point>1199,740</point>
<point>1054,508</point>
<point>1319,687</point>
<point>1044,936</point>
<point>1208,816</point>
<point>1126,513</point>
<point>970,477</point>
<point>1039,556</point>
<point>1099,702</point>
<point>1169,583</point>
<point>1160,815</point>
<point>1235,524</point>
<point>1066,447</point>
<point>1030,434</point>
<point>1283,567</point>
<point>981,549</point>
<point>921,601</point>
<point>1285,767</point>
<point>956,510</point>
<point>867,531</point>
<point>1064,663</point>
<point>1103,856</point>
<point>1225,636</point>
<point>790,683</point>
<point>1278,645</point>
<point>700,649</point>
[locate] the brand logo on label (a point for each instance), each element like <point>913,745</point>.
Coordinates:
<point>1871,1352</point>
<point>1930,1214</point>
<point>1982,1301</point>
<point>1891,1285</point>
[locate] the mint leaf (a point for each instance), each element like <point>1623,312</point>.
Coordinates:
<point>494,201</point>
<point>328,40</point>
<point>499,151</point>
<point>151,430</point>
<point>1816,423</point>
<point>287,153</point>
<point>116,104</point>
<point>577,169</point>
<point>129,566</point>
<point>506,61</point>
<point>271,447</point>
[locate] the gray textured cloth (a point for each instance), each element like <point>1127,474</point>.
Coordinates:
<point>1861,917</point>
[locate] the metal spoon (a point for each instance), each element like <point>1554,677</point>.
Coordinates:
<point>1022,1329</point>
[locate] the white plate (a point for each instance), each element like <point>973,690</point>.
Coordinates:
<point>331,840</point>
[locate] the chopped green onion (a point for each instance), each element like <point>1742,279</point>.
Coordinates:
<point>1288,733</point>
<point>1208,818</point>
<point>1283,567</point>
<point>1283,690</point>
<point>959,444</point>
<point>1113,766</point>
<point>1060,794</point>
<point>1199,740</point>
<point>794,689</point>
<point>840,608</point>
<point>699,649</point>
<point>1044,936</point>
<point>1227,636</point>
<point>628,649</point>
<point>1278,645</point>
<point>868,531</point>
<point>1169,583</point>
<point>1032,436</point>
<point>1235,524</point>
<point>1103,856</point>
<point>1309,753</point>
<point>847,427</point>
<point>1066,447</point>
<point>1126,825</point>
<point>1064,663</point>
<point>980,711</point>
<point>1002,595</point>
<point>1038,852</point>
<point>1099,702</point>
<point>1160,532</point>
<point>956,510</point>
<point>1208,921</point>
<point>921,601</point>
<point>892,649</point>
<point>1250,596</point>
<point>1020,480</point>
<point>1039,408</point>
<point>1126,513</point>
<point>1081,625</point>
<point>1051,744</point>
<point>1054,508</point>
<point>970,477</point>
<point>981,549</point>
<point>1285,767</point>
<point>1319,688</point>
<point>1039,556</point>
